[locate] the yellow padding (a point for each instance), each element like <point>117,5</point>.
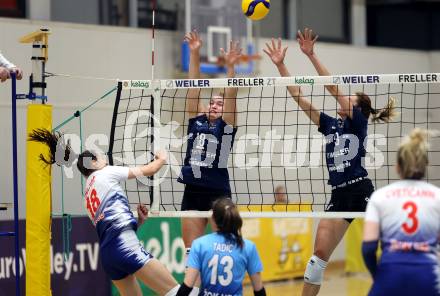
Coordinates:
<point>38,206</point>
<point>353,243</point>
<point>353,247</point>
<point>284,244</point>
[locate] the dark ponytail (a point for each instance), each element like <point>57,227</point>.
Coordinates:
<point>228,220</point>
<point>385,114</point>
<point>59,151</point>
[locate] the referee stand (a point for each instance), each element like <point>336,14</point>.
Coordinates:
<point>5,206</point>
<point>37,86</point>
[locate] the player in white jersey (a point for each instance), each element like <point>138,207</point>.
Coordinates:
<point>123,256</point>
<point>405,217</point>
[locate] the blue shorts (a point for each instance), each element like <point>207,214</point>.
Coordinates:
<point>406,279</point>
<point>200,198</point>
<point>351,198</point>
<point>123,255</point>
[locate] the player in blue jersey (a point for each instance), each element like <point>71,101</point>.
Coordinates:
<point>344,152</point>
<point>211,133</point>
<point>405,216</point>
<point>123,256</point>
<point>223,257</point>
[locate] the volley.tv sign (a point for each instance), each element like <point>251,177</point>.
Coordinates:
<point>74,272</point>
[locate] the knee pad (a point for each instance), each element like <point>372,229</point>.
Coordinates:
<point>315,270</point>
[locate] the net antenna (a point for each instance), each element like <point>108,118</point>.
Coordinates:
<point>218,22</point>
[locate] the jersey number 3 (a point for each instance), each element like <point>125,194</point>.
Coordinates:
<point>412,223</point>
<point>226,278</point>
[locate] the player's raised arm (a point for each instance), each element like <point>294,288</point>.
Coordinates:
<point>307,42</point>
<point>231,58</point>
<point>193,103</point>
<point>151,168</point>
<point>277,54</point>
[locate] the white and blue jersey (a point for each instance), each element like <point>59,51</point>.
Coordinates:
<point>106,203</point>
<point>344,146</point>
<point>107,206</point>
<point>222,264</point>
<point>408,213</point>
<point>207,153</point>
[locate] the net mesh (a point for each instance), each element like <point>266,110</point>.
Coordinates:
<point>277,162</point>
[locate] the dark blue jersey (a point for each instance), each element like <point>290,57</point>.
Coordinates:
<point>207,153</point>
<point>344,146</point>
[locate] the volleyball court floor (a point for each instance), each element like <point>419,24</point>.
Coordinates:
<point>336,283</point>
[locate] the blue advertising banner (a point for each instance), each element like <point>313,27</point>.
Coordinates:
<point>80,273</point>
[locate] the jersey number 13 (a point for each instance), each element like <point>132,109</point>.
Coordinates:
<point>226,278</point>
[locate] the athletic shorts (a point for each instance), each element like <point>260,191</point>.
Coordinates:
<point>123,255</point>
<point>351,198</point>
<point>201,198</point>
<point>406,280</point>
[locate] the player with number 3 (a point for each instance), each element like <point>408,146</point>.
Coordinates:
<point>405,216</point>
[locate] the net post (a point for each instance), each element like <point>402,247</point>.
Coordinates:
<point>155,142</point>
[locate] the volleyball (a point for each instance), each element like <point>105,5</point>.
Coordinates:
<point>255,9</point>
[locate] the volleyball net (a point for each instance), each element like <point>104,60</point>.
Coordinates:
<point>277,164</point>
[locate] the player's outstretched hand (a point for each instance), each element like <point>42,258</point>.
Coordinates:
<point>194,41</point>
<point>4,74</point>
<point>307,41</point>
<point>276,52</point>
<point>142,211</point>
<point>232,56</point>
<point>161,155</point>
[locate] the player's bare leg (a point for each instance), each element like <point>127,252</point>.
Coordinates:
<point>128,286</point>
<point>156,276</point>
<point>329,234</point>
<point>193,228</point>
